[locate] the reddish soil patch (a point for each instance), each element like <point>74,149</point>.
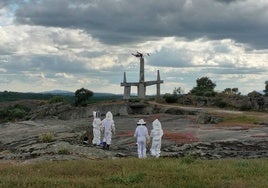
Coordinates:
<point>260,135</point>
<point>125,134</point>
<point>180,137</point>
<point>173,136</point>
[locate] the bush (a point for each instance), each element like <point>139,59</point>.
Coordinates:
<point>46,138</point>
<point>133,100</point>
<point>63,151</point>
<point>12,113</point>
<point>245,108</point>
<point>17,113</point>
<point>170,98</point>
<point>210,94</point>
<point>219,103</point>
<point>56,99</point>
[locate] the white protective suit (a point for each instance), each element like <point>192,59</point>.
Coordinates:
<point>96,128</point>
<point>141,133</point>
<point>108,127</point>
<point>156,135</point>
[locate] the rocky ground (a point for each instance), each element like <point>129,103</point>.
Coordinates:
<point>54,138</point>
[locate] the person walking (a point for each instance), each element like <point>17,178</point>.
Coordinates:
<point>96,128</point>
<point>108,128</point>
<point>156,135</point>
<point>142,136</point>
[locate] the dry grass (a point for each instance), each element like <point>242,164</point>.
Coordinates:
<point>163,172</point>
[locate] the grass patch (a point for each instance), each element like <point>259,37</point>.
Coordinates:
<point>63,151</point>
<point>127,180</point>
<point>162,172</point>
<point>248,119</point>
<point>46,138</point>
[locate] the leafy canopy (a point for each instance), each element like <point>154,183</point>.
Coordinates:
<point>204,87</point>
<point>81,96</point>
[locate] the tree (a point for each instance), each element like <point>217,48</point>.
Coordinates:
<point>205,87</point>
<point>266,88</point>
<point>229,91</point>
<point>81,96</point>
<point>235,90</point>
<point>178,91</point>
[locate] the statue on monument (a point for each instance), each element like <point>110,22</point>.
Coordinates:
<point>138,54</point>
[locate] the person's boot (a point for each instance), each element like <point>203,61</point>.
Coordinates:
<point>108,146</point>
<point>104,145</point>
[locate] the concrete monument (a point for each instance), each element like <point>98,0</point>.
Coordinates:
<point>142,84</point>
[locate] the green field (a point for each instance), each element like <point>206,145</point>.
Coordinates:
<point>132,172</point>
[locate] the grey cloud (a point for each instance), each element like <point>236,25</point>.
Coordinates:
<point>244,70</point>
<point>50,65</point>
<point>170,58</point>
<point>120,21</point>
<point>4,3</point>
<point>42,63</point>
<point>228,1</point>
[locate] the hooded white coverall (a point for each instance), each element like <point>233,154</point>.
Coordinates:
<point>141,133</point>
<point>96,128</point>
<point>156,135</point>
<point>108,127</point>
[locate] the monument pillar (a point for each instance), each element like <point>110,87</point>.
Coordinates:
<point>127,88</point>
<point>158,85</point>
<point>141,69</point>
<point>141,91</point>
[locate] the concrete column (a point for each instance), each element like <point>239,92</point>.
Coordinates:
<point>127,90</point>
<point>158,85</point>
<point>124,78</point>
<point>158,90</point>
<point>141,91</point>
<point>141,69</point>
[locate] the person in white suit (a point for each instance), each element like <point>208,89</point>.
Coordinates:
<point>96,128</point>
<point>142,136</point>
<point>108,128</point>
<point>156,135</point>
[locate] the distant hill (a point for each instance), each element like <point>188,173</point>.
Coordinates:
<point>58,92</point>
<point>69,93</point>
<point>45,95</point>
<point>14,96</point>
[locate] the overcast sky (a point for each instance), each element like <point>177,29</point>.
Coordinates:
<point>66,44</point>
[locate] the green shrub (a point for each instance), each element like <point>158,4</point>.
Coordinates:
<point>210,94</point>
<point>134,100</point>
<point>12,113</point>
<point>170,98</point>
<point>221,104</point>
<point>63,151</point>
<point>245,108</point>
<point>46,138</point>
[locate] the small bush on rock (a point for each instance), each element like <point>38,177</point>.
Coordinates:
<point>46,138</point>
<point>63,151</point>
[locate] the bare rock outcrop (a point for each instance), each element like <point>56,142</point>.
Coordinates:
<point>55,132</point>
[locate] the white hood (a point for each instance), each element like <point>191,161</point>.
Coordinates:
<point>157,124</point>
<point>109,115</point>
